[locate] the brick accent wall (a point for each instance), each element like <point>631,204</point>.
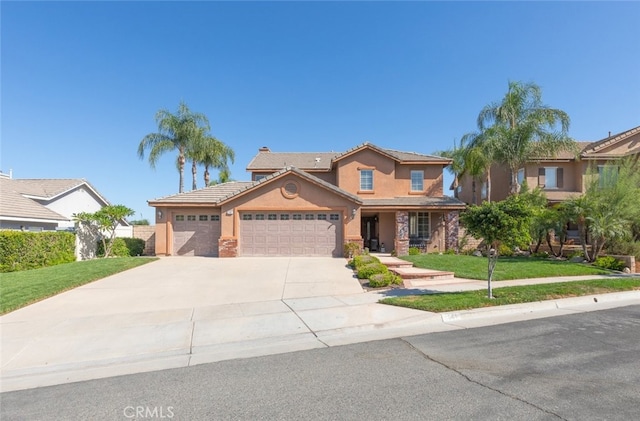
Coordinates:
<point>148,234</point>
<point>402,233</point>
<point>227,247</point>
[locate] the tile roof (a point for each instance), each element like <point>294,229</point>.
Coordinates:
<point>419,201</point>
<point>14,204</point>
<point>323,161</point>
<point>216,195</point>
<point>594,149</point>
<point>211,194</point>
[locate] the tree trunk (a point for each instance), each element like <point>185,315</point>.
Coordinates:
<point>473,191</point>
<point>206,176</point>
<point>515,186</point>
<point>181,170</point>
<point>194,175</point>
<point>492,258</point>
<point>548,237</point>
<point>489,184</point>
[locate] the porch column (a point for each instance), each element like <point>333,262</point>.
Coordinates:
<point>451,229</point>
<point>402,233</point>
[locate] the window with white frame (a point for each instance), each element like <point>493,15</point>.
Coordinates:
<point>521,176</point>
<point>419,225</point>
<point>417,180</point>
<point>483,191</point>
<point>366,180</point>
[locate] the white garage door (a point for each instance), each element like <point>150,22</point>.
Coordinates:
<point>290,234</point>
<point>196,234</point>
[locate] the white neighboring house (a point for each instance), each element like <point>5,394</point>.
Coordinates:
<point>48,204</point>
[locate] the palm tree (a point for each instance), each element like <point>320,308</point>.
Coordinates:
<point>525,128</point>
<point>216,154</point>
<point>175,132</point>
<point>456,167</point>
<point>480,155</point>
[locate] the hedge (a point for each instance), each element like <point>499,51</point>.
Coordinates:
<point>123,247</point>
<point>20,250</point>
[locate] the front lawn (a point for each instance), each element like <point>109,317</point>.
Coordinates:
<point>512,295</point>
<point>472,267</point>
<point>19,289</point>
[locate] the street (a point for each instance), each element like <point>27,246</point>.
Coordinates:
<point>577,367</point>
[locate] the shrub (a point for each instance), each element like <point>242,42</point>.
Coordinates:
<point>363,259</point>
<point>21,250</point>
<point>123,247</point>
<point>608,262</point>
<point>135,246</point>
<point>380,280</point>
<point>625,248</point>
<point>365,272</point>
<point>541,254</point>
<point>505,250</point>
<point>414,251</point>
<point>352,249</point>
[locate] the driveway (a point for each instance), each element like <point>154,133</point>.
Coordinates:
<point>180,311</point>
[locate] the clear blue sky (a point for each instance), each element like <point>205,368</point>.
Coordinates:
<point>81,81</point>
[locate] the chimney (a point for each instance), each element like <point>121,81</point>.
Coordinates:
<point>264,149</point>
<point>609,133</point>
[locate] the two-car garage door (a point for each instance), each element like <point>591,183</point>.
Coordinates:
<point>290,234</point>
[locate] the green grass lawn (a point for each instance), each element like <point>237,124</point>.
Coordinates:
<point>512,295</point>
<point>19,289</point>
<point>472,267</point>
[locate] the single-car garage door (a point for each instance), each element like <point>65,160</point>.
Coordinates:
<point>196,234</point>
<point>290,234</point>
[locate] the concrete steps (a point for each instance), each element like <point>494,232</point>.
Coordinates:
<point>407,272</point>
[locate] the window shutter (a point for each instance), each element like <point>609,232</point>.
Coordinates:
<point>559,174</point>
<point>541,179</point>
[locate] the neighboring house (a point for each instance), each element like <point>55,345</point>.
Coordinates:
<point>311,204</point>
<point>562,177</point>
<point>47,204</point>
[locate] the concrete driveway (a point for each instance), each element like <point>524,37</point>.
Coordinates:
<point>180,311</point>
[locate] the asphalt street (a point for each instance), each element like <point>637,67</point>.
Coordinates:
<point>577,367</point>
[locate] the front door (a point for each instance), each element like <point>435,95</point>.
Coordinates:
<point>369,232</point>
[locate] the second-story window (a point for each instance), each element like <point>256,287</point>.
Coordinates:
<point>366,180</point>
<point>417,180</point>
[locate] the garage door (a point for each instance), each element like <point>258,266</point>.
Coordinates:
<point>196,234</point>
<point>290,234</point>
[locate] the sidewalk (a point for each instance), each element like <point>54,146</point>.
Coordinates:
<point>49,352</point>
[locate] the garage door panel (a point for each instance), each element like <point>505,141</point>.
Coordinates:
<point>306,235</point>
<point>196,238</point>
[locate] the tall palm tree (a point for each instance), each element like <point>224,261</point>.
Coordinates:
<point>525,128</point>
<point>467,161</point>
<point>456,167</point>
<point>175,132</point>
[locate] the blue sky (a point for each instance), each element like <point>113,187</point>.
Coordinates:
<point>82,81</point>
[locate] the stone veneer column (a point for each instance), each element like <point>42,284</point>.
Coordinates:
<point>402,233</point>
<point>452,231</point>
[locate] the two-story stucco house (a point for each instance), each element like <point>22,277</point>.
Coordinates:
<point>311,204</point>
<point>561,177</point>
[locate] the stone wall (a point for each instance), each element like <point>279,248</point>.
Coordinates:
<point>402,233</point>
<point>148,234</point>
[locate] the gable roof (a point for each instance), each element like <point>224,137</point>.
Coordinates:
<point>597,149</point>
<point>266,160</point>
<point>221,193</point>
<point>50,188</point>
<point>15,203</point>
<point>399,156</point>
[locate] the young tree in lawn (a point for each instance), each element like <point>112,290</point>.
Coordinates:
<point>175,133</point>
<point>524,128</point>
<point>105,220</point>
<point>506,222</point>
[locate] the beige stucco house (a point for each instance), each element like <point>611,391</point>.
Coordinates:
<point>562,177</point>
<point>311,204</point>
